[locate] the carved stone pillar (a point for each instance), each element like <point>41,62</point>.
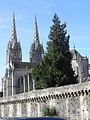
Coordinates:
<point>28,82</point>
<point>4,87</point>
<point>12,82</point>
<point>7,87</point>
<point>20,85</point>
<point>24,83</point>
<point>13,90</point>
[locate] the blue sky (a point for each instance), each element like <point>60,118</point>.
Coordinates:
<point>76,13</point>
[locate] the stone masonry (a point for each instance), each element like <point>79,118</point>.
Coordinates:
<point>71,102</point>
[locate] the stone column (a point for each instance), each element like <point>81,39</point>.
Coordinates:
<point>28,82</point>
<point>20,85</point>
<point>7,87</point>
<point>24,83</point>
<point>3,89</point>
<point>2,84</point>
<point>12,83</point>
<point>31,82</point>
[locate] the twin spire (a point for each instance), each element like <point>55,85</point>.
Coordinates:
<point>13,31</point>
<point>36,51</point>
<point>14,35</point>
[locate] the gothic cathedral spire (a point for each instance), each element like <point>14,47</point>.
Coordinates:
<point>36,49</point>
<point>14,52</point>
<point>13,36</point>
<point>36,35</point>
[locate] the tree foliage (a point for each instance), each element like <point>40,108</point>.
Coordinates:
<point>55,69</point>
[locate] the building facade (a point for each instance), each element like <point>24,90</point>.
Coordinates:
<point>18,78</point>
<point>80,66</point>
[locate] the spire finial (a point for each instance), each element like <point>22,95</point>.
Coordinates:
<point>13,32</point>
<point>36,20</point>
<point>13,17</point>
<point>36,35</point>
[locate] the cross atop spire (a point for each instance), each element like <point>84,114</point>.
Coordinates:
<point>13,31</point>
<point>36,35</point>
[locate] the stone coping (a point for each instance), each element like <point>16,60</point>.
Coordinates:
<point>50,93</point>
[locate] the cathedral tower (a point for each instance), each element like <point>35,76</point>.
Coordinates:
<point>14,52</point>
<point>36,50</point>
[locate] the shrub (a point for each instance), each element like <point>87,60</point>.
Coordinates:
<point>47,111</point>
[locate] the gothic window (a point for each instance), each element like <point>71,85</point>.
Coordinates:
<point>20,87</point>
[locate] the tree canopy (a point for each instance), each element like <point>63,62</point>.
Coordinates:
<point>55,68</point>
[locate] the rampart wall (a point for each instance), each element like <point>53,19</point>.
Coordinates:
<point>72,102</point>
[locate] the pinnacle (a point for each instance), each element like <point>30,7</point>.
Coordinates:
<point>36,35</point>
<point>13,31</point>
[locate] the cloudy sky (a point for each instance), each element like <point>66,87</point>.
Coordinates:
<point>76,13</point>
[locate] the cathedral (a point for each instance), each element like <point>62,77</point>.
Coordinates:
<point>81,66</point>
<point>18,74</point>
<point>18,77</point>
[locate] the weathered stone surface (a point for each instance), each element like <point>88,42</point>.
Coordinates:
<point>80,65</point>
<point>72,101</point>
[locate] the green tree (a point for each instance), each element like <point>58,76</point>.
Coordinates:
<point>55,69</point>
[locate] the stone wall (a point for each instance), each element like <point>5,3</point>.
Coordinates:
<point>72,102</point>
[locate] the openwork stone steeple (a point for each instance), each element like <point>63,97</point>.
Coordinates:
<point>36,49</point>
<point>13,36</point>
<point>36,35</point>
<point>14,52</point>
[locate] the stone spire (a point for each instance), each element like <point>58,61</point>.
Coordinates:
<point>14,52</point>
<point>36,49</point>
<point>13,36</point>
<point>36,35</point>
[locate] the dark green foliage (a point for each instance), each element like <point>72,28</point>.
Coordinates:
<point>55,69</point>
<point>47,111</point>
